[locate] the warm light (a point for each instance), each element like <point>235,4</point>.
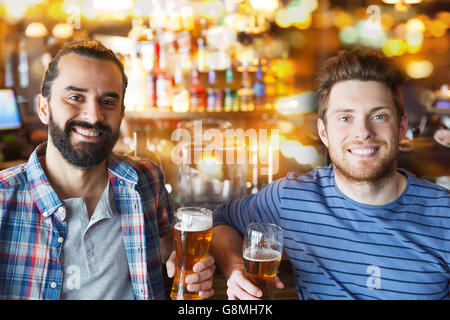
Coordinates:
<point>113,5</point>
<point>343,20</point>
<point>438,28</point>
<point>289,148</point>
<point>444,16</point>
<point>419,69</point>
<point>402,1</point>
<point>306,155</point>
<point>386,21</point>
<point>187,18</point>
<point>36,30</point>
<point>414,41</point>
<point>394,47</point>
<point>283,18</point>
<point>305,23</point>
<point>211,167</point>
<point>370,36</point>
<point>264,5</point>
<point>212,9</point>
<point>62,31</point>
<point>415,25</point>
<point>348,35</point>
<point>15,9</point>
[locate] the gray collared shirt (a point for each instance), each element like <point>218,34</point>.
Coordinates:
<point>93,256</point>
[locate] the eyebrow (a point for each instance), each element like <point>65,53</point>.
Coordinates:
<point>350,110</point>
<point>73,88</point>
<point>110,94</point>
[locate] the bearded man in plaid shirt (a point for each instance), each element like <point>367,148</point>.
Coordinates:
<point>77,221</point>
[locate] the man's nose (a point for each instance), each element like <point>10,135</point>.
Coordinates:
<point>364,129</point>
<point>93,112</point>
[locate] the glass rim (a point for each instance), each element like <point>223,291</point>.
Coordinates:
<point>275,226</point>
<point>201,210</point>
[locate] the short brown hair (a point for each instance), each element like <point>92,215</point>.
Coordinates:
<point>358,64</point>
<point>89,48</point>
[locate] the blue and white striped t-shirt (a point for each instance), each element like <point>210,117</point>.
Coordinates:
<point>342,249</point>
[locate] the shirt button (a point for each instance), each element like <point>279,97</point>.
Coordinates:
<point>53,285</point>
<point>60,240</point>
<point>61,210</point>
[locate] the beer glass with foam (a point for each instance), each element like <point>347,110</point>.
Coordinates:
<point>192,232</point>
<point>262,250</point>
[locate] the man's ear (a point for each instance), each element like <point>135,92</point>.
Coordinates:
<point>322,132</point>
<point>403,127</point>
<point>43,109</point>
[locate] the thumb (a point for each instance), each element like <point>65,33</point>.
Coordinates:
<point>278,283</point>
<point>170,265</point>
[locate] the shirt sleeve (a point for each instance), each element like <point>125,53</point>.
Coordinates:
<point>164,211</point>
<point>264,206</point>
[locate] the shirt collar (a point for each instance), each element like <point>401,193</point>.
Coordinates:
<point>44,195</point>
<point>122,168</point>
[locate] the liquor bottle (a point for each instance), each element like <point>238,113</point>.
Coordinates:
<point>270,86</point>
<point>230,101</point>
<point>259,90</point>
<point>245,92</point>
<point>180,92</point>
<point>151,63</point>
<point>197,92</point>
<point>23,65</point>
<point>164,83</point>
<point>214,98</point>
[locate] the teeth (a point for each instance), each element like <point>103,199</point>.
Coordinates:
<point>363,151</point>
<point>87,132</point>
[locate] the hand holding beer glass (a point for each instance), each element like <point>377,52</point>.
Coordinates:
<point>193,233</point>
<point>262,251</point>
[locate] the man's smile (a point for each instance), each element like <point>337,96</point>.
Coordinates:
<point>87,132</point>
<point>363,151</point>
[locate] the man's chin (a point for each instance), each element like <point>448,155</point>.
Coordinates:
<point>366,173</point>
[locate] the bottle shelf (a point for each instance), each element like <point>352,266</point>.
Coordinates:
<point>170,115</point>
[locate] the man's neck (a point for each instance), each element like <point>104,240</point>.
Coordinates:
<point>71,182</point>
<point>378,193</point>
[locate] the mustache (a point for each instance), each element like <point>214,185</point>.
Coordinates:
<point>96,126</point>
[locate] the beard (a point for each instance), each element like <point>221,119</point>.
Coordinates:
<point>372,171</point>
<point>86,155</point>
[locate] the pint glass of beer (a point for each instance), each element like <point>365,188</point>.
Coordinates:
<point>193,232</point>
<point>262,250</point>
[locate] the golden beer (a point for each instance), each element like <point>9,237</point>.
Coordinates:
<point>261,266</point>
<point>192,236</point>
<point>262,249</point>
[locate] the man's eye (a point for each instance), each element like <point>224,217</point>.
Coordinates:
<point>344,119</point>
<point>379,117</point>
<point>76,98</point>
<point>108,103</point>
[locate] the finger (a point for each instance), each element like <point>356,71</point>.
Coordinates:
<point>204,264</point>
<point>244,295</point>
<point>206,294</point>
<point>248,286</point>
<point>203,286</point>
<point>170,265</point>
<point>201,276</point>
<point>278,283</point>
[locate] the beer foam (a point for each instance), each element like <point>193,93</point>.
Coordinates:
<point>262,254</point>
<point>194,223</point>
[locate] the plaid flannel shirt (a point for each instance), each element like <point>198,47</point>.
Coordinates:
<point>32,230</point>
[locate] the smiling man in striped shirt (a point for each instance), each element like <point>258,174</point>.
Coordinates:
<point>360,228</point>
<point>78,221</point>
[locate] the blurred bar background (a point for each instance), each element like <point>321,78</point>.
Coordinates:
<point>247,63</point>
